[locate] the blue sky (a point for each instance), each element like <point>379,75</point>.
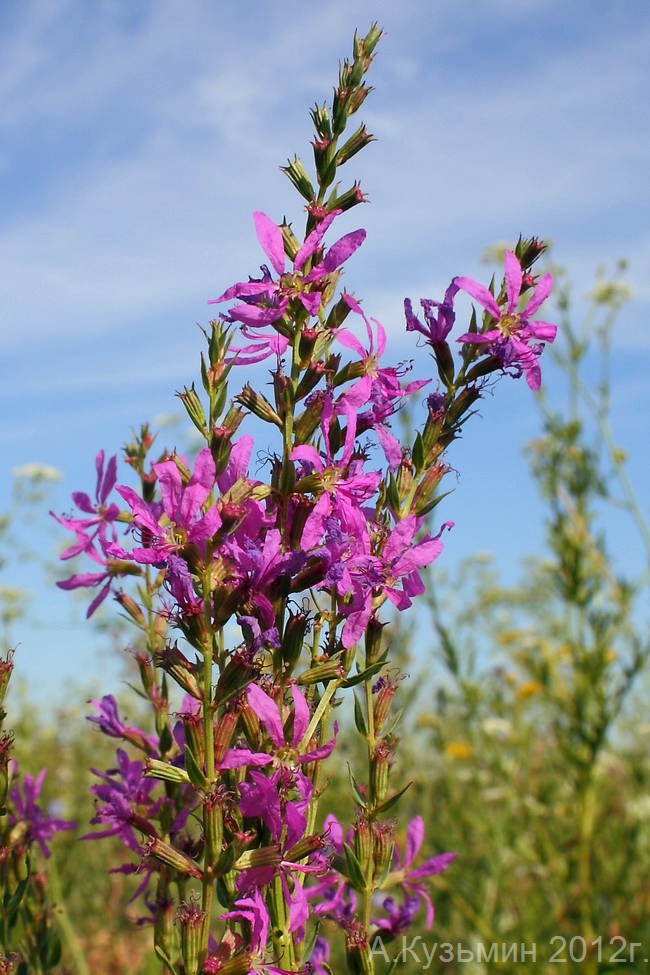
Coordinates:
<point>136,139</point>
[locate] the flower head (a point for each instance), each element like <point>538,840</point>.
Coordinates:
<point>24,807</point>
<point>515,339</point>
<point>410,878</point>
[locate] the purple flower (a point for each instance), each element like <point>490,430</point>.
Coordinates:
<point>403,557</point>
<point>439,316</point>
<point>95,535</point>
<point>110,724</point>
<point>265,300</point>
<point>386,390</point>
<point>253,910</point>
<point>400,916</point>
<point>126,802</point>
<point>411,879</point>
<point>179,520</point>
<point>510,340</point>
<point>24,808</point>
<point>92,530</point>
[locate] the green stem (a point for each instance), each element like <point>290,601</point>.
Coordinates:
<point>207,883</point>
<point>63,920</point>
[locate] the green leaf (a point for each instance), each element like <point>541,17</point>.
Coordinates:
<point>359,796</point>
<point>359,718</point>
<point>164,957</point>
<point>391,801</point>
<point>353,871</point>
<point>194,771</point>
<point>368,672</point>
<point>16,898</point>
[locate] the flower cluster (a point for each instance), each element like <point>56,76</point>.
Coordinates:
<point>260,595</point>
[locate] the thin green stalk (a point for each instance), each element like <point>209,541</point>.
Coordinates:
<point>63,920</point>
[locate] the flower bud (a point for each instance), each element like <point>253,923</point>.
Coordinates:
<point>359,140</point>
<point>347,200</point>
<point>163,934</point>
<point>192,920</point>
<point>224,735</point>
<point>213,823</point>
<point>6,669</point>
<point>175,663</point>
<point>238,672</point>
<point>298,176</point>
<point>363,841</point>
<point>165,853</point>
<point>384,843</point>
<point>155,769</point>
<point>383,700</point>
<point>445,362</point>
<point>249,722</point>
<point>293,638</point>
<point>329,670</point>
<point>380,763</point>
<point>6,745</point>
<point>357,950</point>
<point>258,405</point>
<point>373,640</point>
<point>194,409</point>
<point>304,848</point>
<point>263,856</point>
<point>239,965</point>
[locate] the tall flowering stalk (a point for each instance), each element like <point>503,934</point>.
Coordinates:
<point>259,594</point>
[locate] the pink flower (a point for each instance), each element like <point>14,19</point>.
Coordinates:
<point>386,389</point>
<point>179,520</point>
<point>92,531</point>
<point>410,878</point>
<point>513,332</point>
<point>265,300</point>
<point>403,557</point>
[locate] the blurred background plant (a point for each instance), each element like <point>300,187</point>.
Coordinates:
<point>527,701</point>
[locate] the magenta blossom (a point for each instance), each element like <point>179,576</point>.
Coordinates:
<point>24,808</point>
<point>410,878</point>
<point>93,530</point>
<point>265,300</point>
<point>516,339</point>
<point>403,557</point>
<point>180,519</point>
<point>439,316</point>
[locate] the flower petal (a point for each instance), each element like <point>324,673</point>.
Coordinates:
<point>270,237</point>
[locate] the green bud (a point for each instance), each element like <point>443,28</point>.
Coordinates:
<point>194,409</point>
<point>297,173</point>
<point>444,362</point>
<point>192,921</point>
<point>320,116</point>
<point>176,664</point>
<point>165,853</point>
<point>293,639</point>
<point>380,763</point>
<point>357,950</point>
<point>330,670</point>
<point>155,769</point>
<point>213,823</point>
<point>258,405</point>
<point>373,640</point>
<point>224,735</point>
<point>6,669</point>
<point>384,842</point>
<point>236,675</point>
<point>347,200</point>
<point>358,141</point>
